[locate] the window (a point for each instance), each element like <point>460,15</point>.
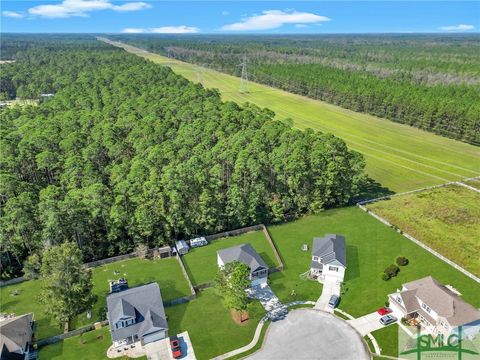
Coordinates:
<point>399,299</point>
<point>333,268</point>
<point>315,258</point>
<point>426,308</point>
<point>444,324</point>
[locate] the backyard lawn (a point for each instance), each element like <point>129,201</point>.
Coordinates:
<point>210,325</point>
<point>166,272</point>
<point>447,219</point>
<point>92,345</point>
<point>201,262</point>
<point>371,247</point>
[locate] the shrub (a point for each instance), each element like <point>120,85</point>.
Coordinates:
<point>392,270</point>
<point>401,261</point>
<point>385,277</point>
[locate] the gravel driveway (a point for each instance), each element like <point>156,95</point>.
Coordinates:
<point>307,334</point>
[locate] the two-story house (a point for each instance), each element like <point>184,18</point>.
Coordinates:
<point>433,306</point>
<point>137,314</point>
<point>16,337</point>
<point>247,255</point>
<point>329,258</point>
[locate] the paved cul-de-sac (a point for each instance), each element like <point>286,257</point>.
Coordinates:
<point>306,334</point>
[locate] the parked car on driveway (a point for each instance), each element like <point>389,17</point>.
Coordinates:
<point>387,319</point>
<point>175,346</point>
<point>384,311</point>
<point>333,302</point>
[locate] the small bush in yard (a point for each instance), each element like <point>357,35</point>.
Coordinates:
<point>385,277</point>
<point>401,261</point>
<point>392,270</point>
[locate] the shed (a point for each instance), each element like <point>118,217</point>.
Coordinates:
<point>200,241</point>
<point>182,247</point>
<point>164,252</point>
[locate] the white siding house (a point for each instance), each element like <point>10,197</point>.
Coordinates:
<point>329,259</point>
<point>246,254</point>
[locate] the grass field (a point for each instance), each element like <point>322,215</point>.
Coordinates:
<point>201,262</point>
<point>371,247</point>
<point>447,219</point>
<point>398,156</point>
<point>475,183</point>
<point>387,339</point>
<point>166,272</point>
<point>210,325</point>
<point>92,345</point>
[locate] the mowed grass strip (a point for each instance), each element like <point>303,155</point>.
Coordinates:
<point>398,156</point>
<point>387,339</point>
<point>371,247</point>
<point>201,262</point>
<point>92,345</point>
<point>210,325</point>
<point>446,219</point>
<point>166,272</point>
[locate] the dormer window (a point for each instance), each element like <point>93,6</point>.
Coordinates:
<point>315,258</point>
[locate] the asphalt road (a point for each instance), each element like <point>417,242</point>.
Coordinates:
<point>307,334</point>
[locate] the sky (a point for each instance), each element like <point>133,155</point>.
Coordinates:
<point>239,17</point>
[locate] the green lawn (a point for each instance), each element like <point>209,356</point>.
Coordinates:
<point>92,345</point>
<point>387,339</point>
<point>371,247</point>
<point>446,219</point>
<point>398,156</point>
<point>201,262</point>
<point>166,272</point>
<point>210,326</point>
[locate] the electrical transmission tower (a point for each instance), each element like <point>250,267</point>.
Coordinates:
<point>244,77</point>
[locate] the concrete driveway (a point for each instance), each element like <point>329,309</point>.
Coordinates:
<point>307,334</point>
<point>160,350</point>
<point>330,287</point>
<point>270,302</point>
<point>366,324</point>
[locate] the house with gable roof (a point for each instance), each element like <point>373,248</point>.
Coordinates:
<point>329,258</point>
<point>436,308</point>
<point>137,314</point>
<point>247,255</point>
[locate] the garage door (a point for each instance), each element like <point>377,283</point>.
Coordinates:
<point>159,335</point>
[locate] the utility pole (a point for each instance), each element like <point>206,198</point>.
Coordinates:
<point>244,77</point>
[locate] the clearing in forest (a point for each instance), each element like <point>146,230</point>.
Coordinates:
<point>447,219</point>
<point>398,156</point>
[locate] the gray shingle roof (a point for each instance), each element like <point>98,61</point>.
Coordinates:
<point>16,332</point>
<point>244,253</point>
<point>142,302</point>
<point>331,249</point>
<point>443,301</point>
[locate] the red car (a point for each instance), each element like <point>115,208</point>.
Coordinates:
<point>175,346</point>
<point>384,311</point>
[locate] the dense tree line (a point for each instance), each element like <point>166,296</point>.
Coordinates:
<point>431,82</point>
<point>126,152</point>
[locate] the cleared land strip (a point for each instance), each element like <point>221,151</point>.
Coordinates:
<point>399,157</point>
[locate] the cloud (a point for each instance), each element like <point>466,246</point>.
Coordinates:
<point>273,19</point>
<point>301,26</point>
<point>12,14</point>
<point>182,29</point>
<point>133,31</point>
<point>69,8</point>
<point>460,27</point>
<point>225,13</point>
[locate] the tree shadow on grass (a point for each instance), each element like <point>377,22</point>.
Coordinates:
<point>372,190</point>
<point>353,266</point>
